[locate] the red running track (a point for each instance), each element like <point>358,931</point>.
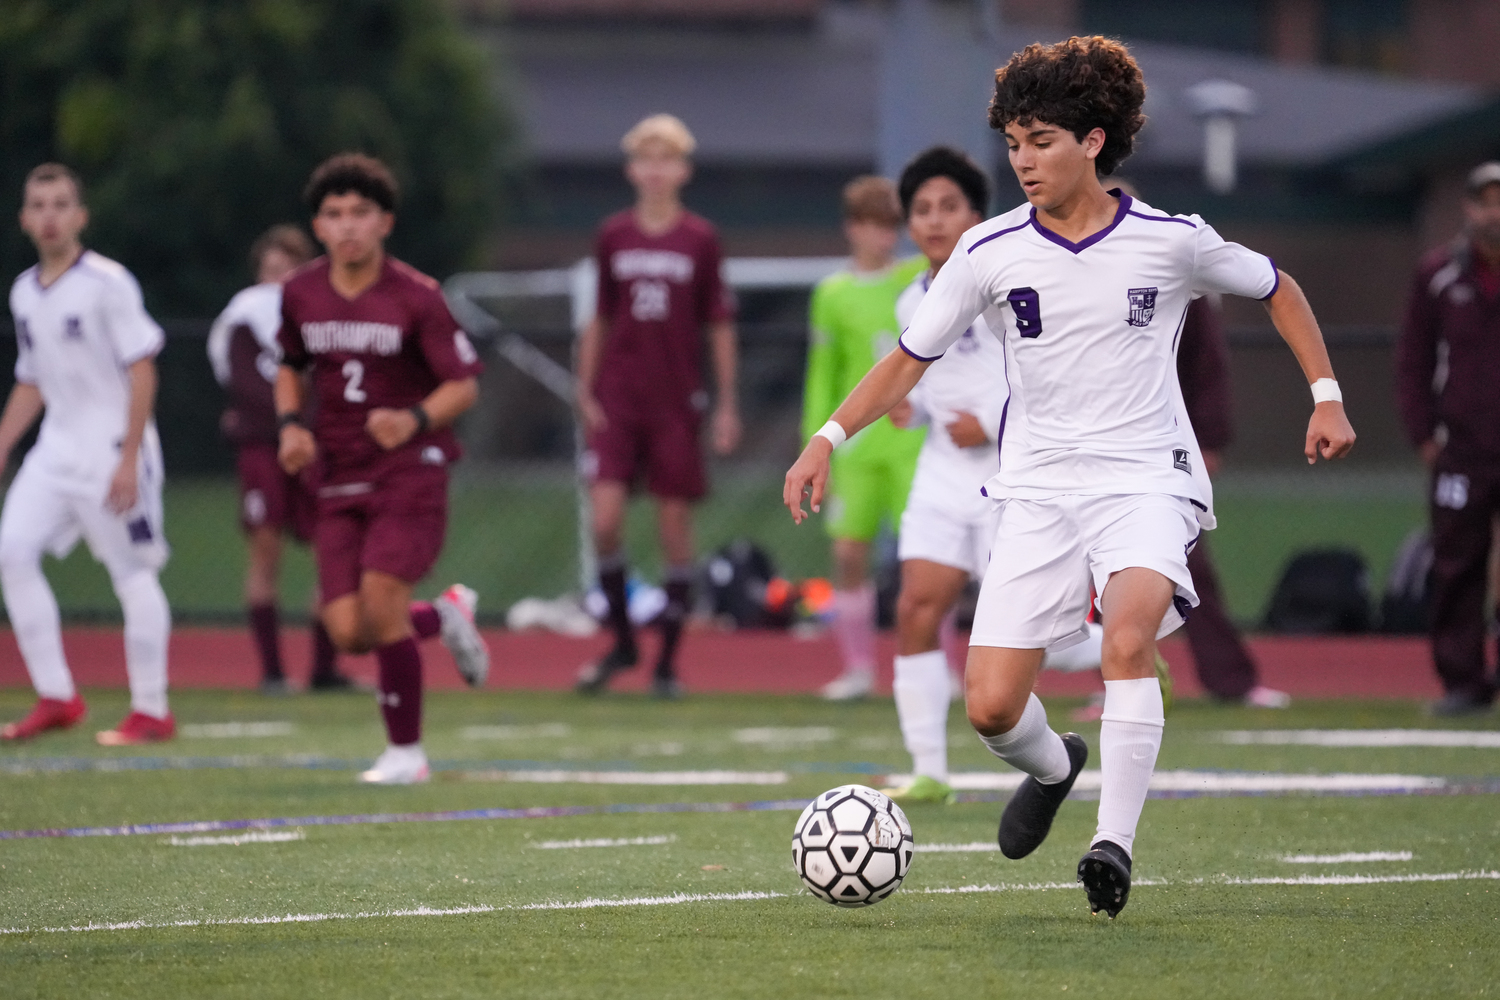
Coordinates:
<point>747,661</point>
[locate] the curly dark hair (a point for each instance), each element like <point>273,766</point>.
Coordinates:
<point>944,161</point>
<point>1080,85</point>
<point>346,172</point>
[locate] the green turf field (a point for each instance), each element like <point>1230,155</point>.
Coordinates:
<point>1190,930</point>
<point>514,535</point>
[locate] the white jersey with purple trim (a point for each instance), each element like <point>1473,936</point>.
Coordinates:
<point>259,308</point>
<point>969,378</point>
<point>75,340</point>
<point>1090,337</point>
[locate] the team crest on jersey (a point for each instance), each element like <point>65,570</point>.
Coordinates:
<point>73,328</point>
<point>1142,306</point>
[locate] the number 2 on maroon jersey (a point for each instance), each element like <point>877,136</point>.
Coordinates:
<point>1027,307</point>
<point>354,371</point>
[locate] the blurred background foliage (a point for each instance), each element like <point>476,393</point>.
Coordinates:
<point>196,122</point>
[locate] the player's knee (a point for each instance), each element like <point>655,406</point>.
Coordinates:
<point>993,715</point>
<point>18,556</point>
<point>918,614</point>
<point>1128,645</point>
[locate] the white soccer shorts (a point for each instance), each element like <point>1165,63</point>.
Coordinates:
<point>939,534</point>
<point>44,513</point>
<point>1035,593</point>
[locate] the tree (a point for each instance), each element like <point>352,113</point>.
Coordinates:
<point>195,124</point>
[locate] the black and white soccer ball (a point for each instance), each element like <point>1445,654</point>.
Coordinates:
<point>852,846</point>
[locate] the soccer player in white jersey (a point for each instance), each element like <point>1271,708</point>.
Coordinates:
<point>947,526</point>
<point>1100,478</point>
<point>86,355</point>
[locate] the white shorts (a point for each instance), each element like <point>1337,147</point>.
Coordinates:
<point>47,513</point>
<point>1047,553</point>
<point>939,535</point>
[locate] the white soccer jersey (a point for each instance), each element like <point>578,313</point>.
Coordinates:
<point>76,338</point>
<point>969,378</point>
<point>1090,342</point>
<point>259,308</point>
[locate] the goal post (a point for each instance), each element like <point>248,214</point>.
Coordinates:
<point>474,296</point>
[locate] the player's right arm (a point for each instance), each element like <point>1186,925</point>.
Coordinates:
<point>818,387</point>
<point>296,448</point>
<point>22,409</point>
<point>586,371</point>
<point>951,304</point>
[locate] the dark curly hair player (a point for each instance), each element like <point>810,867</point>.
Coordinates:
<point>1099,471</point>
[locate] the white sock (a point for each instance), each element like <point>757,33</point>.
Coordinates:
<point>854,628</point>
<point>1032,746</point>
<point>1129,739</point>
<point>35,621</point>
<point>148,624</point>
<point>921,690</point>
<point>1086,655</point>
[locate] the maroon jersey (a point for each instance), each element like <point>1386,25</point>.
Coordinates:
<point>389,347</point>
<point>1448,356</point>
<point>655,295</point>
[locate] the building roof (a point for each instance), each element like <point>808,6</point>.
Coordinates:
<point>810,95</point>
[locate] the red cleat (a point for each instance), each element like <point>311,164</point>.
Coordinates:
<point>49,713</point>
<point>138,728</point>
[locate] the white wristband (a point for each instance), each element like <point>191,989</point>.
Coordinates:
<point>1326,390</point>
<point>833,433</point>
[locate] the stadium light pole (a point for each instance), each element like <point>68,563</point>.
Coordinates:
<point>1220,104</point>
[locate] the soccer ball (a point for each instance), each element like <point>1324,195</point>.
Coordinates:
<point>852,846</point>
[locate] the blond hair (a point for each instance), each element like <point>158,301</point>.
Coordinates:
<point>660,128</point>
<point>872,199</point>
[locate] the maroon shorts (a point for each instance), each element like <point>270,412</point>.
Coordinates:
<point>271,498</point>
<point>663,449</point>
<point>395,526</point>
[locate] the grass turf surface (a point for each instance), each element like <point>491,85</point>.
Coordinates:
<point>513,536</point>
<point>1182,938</point>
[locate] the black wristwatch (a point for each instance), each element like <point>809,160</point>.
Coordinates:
<point>285,419</point>
<point>423,421</point>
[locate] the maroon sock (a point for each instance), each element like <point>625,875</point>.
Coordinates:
<point>424,619</point>
<point>401,690</point>
<point>324,653</point>
<point>612,582</point>
<point>678,590</point>
<point>265,628</point>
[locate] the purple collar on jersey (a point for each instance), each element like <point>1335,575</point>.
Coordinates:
<point>1068,244</point>
<point>36,272</point>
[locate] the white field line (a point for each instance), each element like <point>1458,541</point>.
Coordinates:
<point>1347,857</point>
<point>785,735</point>
<point>556,845</point>
<point>544,730</point>
<point>235,840</point>
<point>1207,781</point>
<point>977,846</point>
<point>634,777</point>
<point>236,730</point>
<point>719,897</point>
<point>1364,737</point>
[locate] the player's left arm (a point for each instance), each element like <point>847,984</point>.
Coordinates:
<point>392,428</point>
<point>1328,431</point>
<point>453,359</point>
<point>724,344</point>
<point>124,490</point>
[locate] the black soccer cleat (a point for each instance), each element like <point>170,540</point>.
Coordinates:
<point>1028,815</point>
<point>1105,874</point>
<point>594,677</point>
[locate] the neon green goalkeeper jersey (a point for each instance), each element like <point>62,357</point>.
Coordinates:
<point>853,321</point>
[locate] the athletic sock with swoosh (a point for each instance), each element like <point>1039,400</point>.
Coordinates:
<point>1129,739</point>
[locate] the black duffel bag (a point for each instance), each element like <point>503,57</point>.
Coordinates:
<point>1321,592</point>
